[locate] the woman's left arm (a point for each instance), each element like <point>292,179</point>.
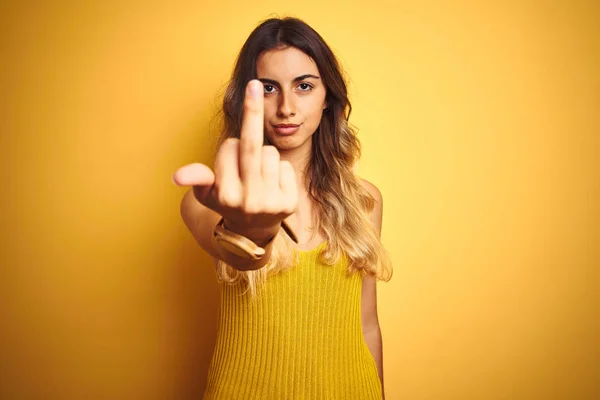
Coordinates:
<point>370,321</point>
<point>370,325</point>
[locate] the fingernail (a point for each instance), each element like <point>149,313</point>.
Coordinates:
<point>255,88</point>
<point>173,180</point>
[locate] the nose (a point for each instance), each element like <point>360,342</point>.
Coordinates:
<point>286,107</point>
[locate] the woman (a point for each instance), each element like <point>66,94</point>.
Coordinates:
<point>298,315</point>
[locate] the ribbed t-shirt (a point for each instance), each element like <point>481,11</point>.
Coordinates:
<point>300,338</point>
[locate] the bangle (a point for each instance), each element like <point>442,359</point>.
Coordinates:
<point>241,245</point>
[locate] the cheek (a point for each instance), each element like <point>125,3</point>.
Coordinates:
<point>315,118</point>
<point>314,106</point>
<point>314,112</point>
<point>270,109</point>
<point>268,114</point>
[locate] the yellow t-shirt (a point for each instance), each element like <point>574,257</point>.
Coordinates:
<point>300,338</point>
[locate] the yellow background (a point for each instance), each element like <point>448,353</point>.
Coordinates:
<point>480,125</point>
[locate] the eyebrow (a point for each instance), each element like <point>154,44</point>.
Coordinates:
<point>297,79</point>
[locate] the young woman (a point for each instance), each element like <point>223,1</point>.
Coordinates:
<point>293,231</point>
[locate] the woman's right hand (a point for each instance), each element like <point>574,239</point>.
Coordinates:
<point>250,187</point>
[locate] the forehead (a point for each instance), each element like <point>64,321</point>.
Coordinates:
<point>285,64</point>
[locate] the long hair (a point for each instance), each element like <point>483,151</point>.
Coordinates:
<point>341,202</point>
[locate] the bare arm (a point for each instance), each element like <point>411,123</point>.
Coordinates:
<point>371,329</point>
<point>201,222</point>
<point>370,320</point>
<point>251,188</point>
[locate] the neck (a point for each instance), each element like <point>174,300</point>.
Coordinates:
<point>299,158</point>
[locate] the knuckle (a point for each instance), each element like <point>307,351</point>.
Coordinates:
<point>287,178</point>
<point>284,212</point>
<point>250,146</point>
<point>251,105</point>
<point>230,142</point>
<point>228,146</point>
<point>228,198</point>
<point>250,207</point>
<point>271,205</point>
<point>227,150</point>
<point>289,209</point>
<point>285,166</point>
<point>270,152</point>
<point>291,205</point>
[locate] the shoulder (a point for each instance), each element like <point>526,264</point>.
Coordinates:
<point>373,190</point>
<point>377,212</point>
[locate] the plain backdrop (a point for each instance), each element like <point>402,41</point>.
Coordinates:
<point>479,123</point>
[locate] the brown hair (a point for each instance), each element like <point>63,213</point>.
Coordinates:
<point>342,203</point>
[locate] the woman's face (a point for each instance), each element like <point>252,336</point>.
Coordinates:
<point>294,96</point>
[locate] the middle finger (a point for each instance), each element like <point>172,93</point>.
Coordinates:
<point>252,135</point>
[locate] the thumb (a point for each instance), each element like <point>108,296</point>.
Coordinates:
<point>194,174</point>
<point>201,177</point>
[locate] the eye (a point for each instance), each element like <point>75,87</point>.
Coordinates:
<point>305,87</point>
<point>269,89</point>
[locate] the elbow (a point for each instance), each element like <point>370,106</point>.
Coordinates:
<point>371,328</point>
<point>370,323</point>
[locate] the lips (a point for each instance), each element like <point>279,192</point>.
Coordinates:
<point>286,129</point>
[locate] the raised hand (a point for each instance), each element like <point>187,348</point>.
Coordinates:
<point>250,186</point>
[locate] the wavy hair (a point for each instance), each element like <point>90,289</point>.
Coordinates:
<point>341,202</point>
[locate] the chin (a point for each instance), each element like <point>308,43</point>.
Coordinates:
<point>288,142</point>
